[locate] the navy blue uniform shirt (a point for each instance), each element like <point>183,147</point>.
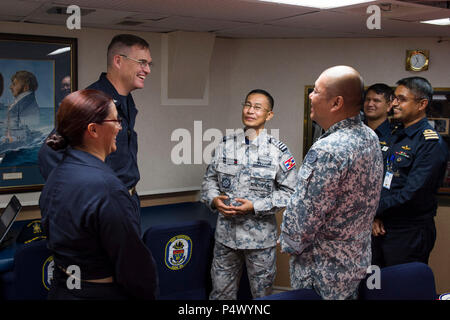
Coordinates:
<point>124,160</point>
<point>92,222</point>
<point>417,157</point>
<point>383,132</point>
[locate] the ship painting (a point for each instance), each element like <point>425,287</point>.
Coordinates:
<point>16,136</point>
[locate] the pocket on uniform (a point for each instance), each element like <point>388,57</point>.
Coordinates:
<point>262,180</point>
<point>226,176</point>
<point>305,172</point>
<point>403,161</point>
<point>304,177</point>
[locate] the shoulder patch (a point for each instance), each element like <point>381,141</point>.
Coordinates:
<point>430,134</point>
<point>311,156</point>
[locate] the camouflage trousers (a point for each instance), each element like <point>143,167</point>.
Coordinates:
<point>227,269</point>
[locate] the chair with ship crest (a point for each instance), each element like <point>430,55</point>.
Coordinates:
<point>183,255</point>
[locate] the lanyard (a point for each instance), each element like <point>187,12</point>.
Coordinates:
<point>389,162</point>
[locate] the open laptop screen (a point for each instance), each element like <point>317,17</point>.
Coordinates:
<point>8,216</point>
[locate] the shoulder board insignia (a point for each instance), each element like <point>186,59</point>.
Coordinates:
<point>430,134</point>
<point>280,145</point>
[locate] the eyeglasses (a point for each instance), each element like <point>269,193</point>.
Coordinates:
<point>118,120</point>
<point>402,99</point>
<point>142,63</point>
<point>257,108</point>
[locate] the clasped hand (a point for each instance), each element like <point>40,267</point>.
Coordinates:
<point>230,210</point>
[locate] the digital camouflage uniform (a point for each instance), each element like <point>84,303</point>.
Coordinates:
<point>328,222</point>
<point>262,171</point>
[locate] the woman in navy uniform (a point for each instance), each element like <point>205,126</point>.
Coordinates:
<point>90,219</point>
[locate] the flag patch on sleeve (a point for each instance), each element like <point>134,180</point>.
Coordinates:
<point>289,163</point>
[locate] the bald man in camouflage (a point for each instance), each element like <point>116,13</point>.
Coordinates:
<point>328,222</point>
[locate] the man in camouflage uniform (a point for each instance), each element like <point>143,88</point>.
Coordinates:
<point>327,224</point>
<point>251,176</point>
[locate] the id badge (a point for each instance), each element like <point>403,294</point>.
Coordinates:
<point>387,180</point>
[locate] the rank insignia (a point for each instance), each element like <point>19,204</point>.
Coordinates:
<point>430,134</point>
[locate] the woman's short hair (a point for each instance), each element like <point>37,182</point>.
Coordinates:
<point>76,112</point>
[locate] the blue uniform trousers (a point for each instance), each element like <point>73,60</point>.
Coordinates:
<point>403,243</point>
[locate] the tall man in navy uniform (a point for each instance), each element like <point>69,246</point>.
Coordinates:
<point>250,178</point>
<point>128,64</point>
<point>404,229</point>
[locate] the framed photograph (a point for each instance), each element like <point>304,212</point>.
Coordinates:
<point>440,125</point>
<point>311,130</point>
<point>438,114</point>
<point>36,73</point>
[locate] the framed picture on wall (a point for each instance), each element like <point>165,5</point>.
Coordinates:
<point>36,73</point>
<point>438,114</point>
<point>311,130</point>
<point>440,125</point>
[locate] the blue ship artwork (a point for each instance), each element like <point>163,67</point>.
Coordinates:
<point>26,110</point>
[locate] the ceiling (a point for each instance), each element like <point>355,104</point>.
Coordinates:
<point>237,18</point>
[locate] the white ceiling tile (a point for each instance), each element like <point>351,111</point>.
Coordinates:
<point>237,18</point>
<point>18,8</point>
<point>196,24</point>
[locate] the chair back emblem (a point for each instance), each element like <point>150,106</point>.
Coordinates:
<point>47,272</point>
<point>178,252</point>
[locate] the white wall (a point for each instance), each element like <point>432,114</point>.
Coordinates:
<point>283,67</point>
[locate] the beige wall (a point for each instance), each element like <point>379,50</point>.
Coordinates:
<point>440,256</point>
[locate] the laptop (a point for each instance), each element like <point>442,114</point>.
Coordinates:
<point>8,217</point>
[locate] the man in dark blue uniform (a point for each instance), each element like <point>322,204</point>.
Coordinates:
<point>377,105</point>
<point>404,229</point>
<point>128,64</point>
